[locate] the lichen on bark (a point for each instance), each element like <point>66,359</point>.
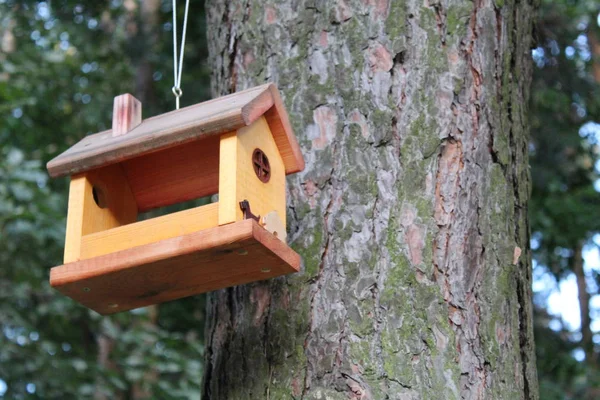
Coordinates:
<point>412,120</point>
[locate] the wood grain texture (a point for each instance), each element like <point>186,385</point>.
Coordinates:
<point>85,216</point>
<point>174,175</point>
<point>414,123</point>
<point>263,197</point>
<point>238,180</point>
<point>228,178</point>
<point>211,259</point>
<point>127,114</point>
<point>283,134</point>
<point>149,231</point>
<point>77,209</point>
<point>188,124</point>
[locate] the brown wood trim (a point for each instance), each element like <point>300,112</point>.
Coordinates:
<point>203,261</point>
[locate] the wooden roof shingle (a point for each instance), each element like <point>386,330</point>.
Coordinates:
<point>213,117</point>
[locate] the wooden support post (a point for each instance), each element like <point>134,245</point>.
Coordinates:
<point>98,200</point>
<point>127,114</point>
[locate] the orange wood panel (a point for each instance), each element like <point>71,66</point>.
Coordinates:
<point>228,167</point>
<point>238,180</point>
<point>208,260</point>
<point>175,174</point>
<point>115,206</point>
<point>149,231</point>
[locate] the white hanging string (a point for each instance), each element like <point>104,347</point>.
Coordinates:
<point>178,65</point>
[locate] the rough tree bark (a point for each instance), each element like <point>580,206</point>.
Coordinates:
<point>411,215</point>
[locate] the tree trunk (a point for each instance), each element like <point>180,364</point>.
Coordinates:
<point>147,36</point>
<point>587,336</point>
<point>411,215</point>
<point>594,44</point>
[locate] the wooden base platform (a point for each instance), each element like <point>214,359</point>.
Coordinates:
<point>170,269</point>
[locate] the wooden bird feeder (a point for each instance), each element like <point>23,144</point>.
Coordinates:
<point>240,147</point>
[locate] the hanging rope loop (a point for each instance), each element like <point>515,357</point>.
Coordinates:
<point>177,91</point>
<point>178,64</point>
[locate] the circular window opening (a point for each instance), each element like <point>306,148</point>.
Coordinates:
<point>99,197</point>
<point>261,165</point>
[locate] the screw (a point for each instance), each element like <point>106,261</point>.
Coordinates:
<point>113,305</point>
<point>242,252</point>
<point>265,270</point>
<point>86,289</point>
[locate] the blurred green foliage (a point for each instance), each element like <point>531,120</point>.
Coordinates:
<point>565,204</point>
<point>61,64</point>
<point>565,108</point>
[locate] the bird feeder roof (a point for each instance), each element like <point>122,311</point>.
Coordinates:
<point>214,117</point>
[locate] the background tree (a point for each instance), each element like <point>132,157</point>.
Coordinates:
<point>411,215</point>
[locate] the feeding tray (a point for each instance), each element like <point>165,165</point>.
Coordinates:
<point>240,147</point>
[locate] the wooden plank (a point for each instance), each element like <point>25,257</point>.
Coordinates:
<point>188,124</point>
<point>228,208</point>
<point>238,181</point>
<point>174,175</point>
<point>114,206</point>
<point>263,197</point>
<point>208,260</point>
<point>282,131</point>
<point>76,210</point>
<point>127,114</point>
<point>149,231</point>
